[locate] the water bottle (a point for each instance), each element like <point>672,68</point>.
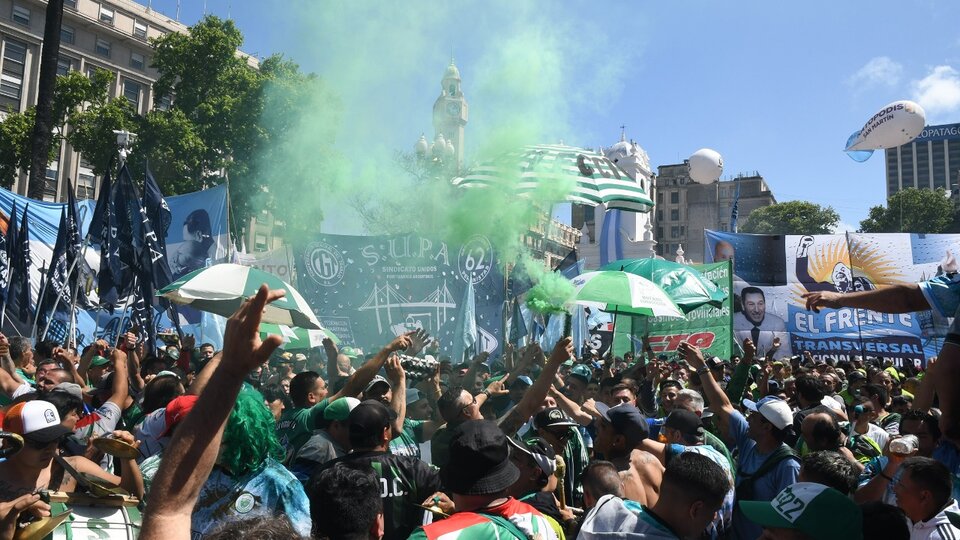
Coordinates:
<point>904,446</point>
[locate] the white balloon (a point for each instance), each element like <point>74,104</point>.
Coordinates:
<point>895,124</point>
<point>706,166</point>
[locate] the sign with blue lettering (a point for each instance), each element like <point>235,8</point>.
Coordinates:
<point>939,133</point>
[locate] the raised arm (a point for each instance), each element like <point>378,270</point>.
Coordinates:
<point>892,299</point>
<point>398,402</point>
<point>362,377</point>
<point>121,383</point>
<point>719,403</point>
<point>190,457</point>
<point>203,377</point>
<point>534,396</point>
<point>574,411</point>
<point>331,350</point>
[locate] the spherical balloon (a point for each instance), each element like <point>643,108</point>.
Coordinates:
<point>706,166</point>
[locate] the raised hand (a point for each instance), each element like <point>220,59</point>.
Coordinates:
<point>562,351</point>
<point>418,340</point>
<point>394,369</point>
<point>822,299</point>
<point>243,350</point>
<point>692,354</point>
<point>400,343</point>
<point>749,350</point>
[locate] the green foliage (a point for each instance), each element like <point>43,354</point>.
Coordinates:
<point>15,133</point>
<point>912,210</point>
<point>792,217</point>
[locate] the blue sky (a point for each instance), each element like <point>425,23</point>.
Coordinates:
<point>775,88</point>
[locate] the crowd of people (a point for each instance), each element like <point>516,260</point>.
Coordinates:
<point>254,442</point>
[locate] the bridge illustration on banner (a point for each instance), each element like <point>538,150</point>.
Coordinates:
<point>386,299</point>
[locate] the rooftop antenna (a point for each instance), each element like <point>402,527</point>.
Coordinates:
<point>178,10</point>
<point>623,132</point>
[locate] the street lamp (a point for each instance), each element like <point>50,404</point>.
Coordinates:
<point>125,142</point>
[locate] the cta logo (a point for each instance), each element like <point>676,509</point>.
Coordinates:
<point>324,263</point>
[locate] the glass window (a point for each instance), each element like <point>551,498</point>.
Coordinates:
<point>659,232</point>
<point>70,4</point>
<point>675,197</point>
<point>131,91</point>
<point>21,15</point>
<point>260,242</point>
<point>659,196</point>
<point>139,29</point>
<point>11,76</point>
<point>103,47</point>
<point>136,60</point>
<point>64,65</point>
<point>50,182</point>
<point>106,14</point>
<point>675,232</point>
<point>68,34</point>
<point>164,103</point>
<point>86,182</point>
<point>675,215</point>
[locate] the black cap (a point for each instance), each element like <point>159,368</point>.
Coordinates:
<point>540,450</point>
<point>685,422</point>
<point>479,460</point>
<point>368,418</point>
<point>627,420</point>
<point>552,417</point>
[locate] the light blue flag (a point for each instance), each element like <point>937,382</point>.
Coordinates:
<point>466,335</point>
<point>553,332</point>
<point>579,330</point>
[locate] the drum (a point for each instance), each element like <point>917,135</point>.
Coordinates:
<point>97,522</point>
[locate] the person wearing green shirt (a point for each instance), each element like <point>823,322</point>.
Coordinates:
<point>308,392</point>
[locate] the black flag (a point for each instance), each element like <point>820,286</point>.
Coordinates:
<point>20,270</point>
<point>9,245</point>
<point>103,231</point>
<point>57,291</point>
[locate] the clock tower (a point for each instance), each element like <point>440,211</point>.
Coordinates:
<point>450,112</point>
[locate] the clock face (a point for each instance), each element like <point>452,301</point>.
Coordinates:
<point>453,109</point>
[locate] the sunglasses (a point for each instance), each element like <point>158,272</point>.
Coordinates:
<point>468,405</point>
<point>562,435</point>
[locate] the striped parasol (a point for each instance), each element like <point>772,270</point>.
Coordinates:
<point>295,338</point>
<point>222,288</point>
<point>593,179</point>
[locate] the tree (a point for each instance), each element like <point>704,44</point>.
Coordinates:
<point>792,217</point>
<point>44,116</point>
<point>16,131</point>
<point>912,210</point>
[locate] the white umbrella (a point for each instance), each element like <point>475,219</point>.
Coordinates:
<point>622,292</point>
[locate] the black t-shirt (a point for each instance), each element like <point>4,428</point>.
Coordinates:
<point>405,482</point>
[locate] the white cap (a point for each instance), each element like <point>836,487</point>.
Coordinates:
<point>774,409</point>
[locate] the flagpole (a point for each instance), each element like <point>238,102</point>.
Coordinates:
<point>43,291</point>
<point>130,298</point>
<point>56,302</point>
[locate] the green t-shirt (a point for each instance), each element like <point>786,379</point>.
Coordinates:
<point>440,446</point>
<point>711,440</point>
<point>408,442</point>
<point>297,425</point>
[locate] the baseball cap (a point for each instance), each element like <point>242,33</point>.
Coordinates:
<point>627,420</point>
<point>349,352</point>
<point>35,421</point>
<point>377,379</point>
<point>540,450</point>
<point>552,417</point>
<point>369,417</point>
<point>685,422</point>
<point>568,363</point>
<point>176,411</point>
<point>856,375</point>
<point>99,361</point>
<point>479,460</point>
<point>413,396</point>
<point>71,388</point>
<point>340,408</point>
<point>581,371</point>
<point>774,409</point>
<point>522,379</point>
<point>299,357</point>
<point>811,509</point>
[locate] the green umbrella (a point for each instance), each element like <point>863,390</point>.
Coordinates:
<point>621,292</point>
<point>685,285</point>
<point>297,339</point>
<point>222,288</point>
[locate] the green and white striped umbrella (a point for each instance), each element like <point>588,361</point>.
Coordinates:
<point>222,288</point>
<point>593,178</point>
<point>622,292</point>
<point>297,339</point>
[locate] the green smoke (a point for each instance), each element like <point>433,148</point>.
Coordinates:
<point>528,68</point>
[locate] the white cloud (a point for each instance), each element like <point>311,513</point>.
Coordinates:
<point>939,91</point>
<point>879,71</point>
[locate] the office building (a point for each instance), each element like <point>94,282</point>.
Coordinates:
<point>930,161</point>
<point>684,209</point>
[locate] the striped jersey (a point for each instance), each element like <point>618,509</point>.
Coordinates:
<point>475,526</point>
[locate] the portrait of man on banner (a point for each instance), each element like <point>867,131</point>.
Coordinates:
<point>754,322</point>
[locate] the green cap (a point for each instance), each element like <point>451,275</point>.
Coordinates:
<point>582,372</point>
<point>811,509</point>
<point>349,352</point>
<point>340,409</point>
<point>568,363</point>
<point>99,361</point>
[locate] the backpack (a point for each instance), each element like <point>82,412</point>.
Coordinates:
<point>745,491</point>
